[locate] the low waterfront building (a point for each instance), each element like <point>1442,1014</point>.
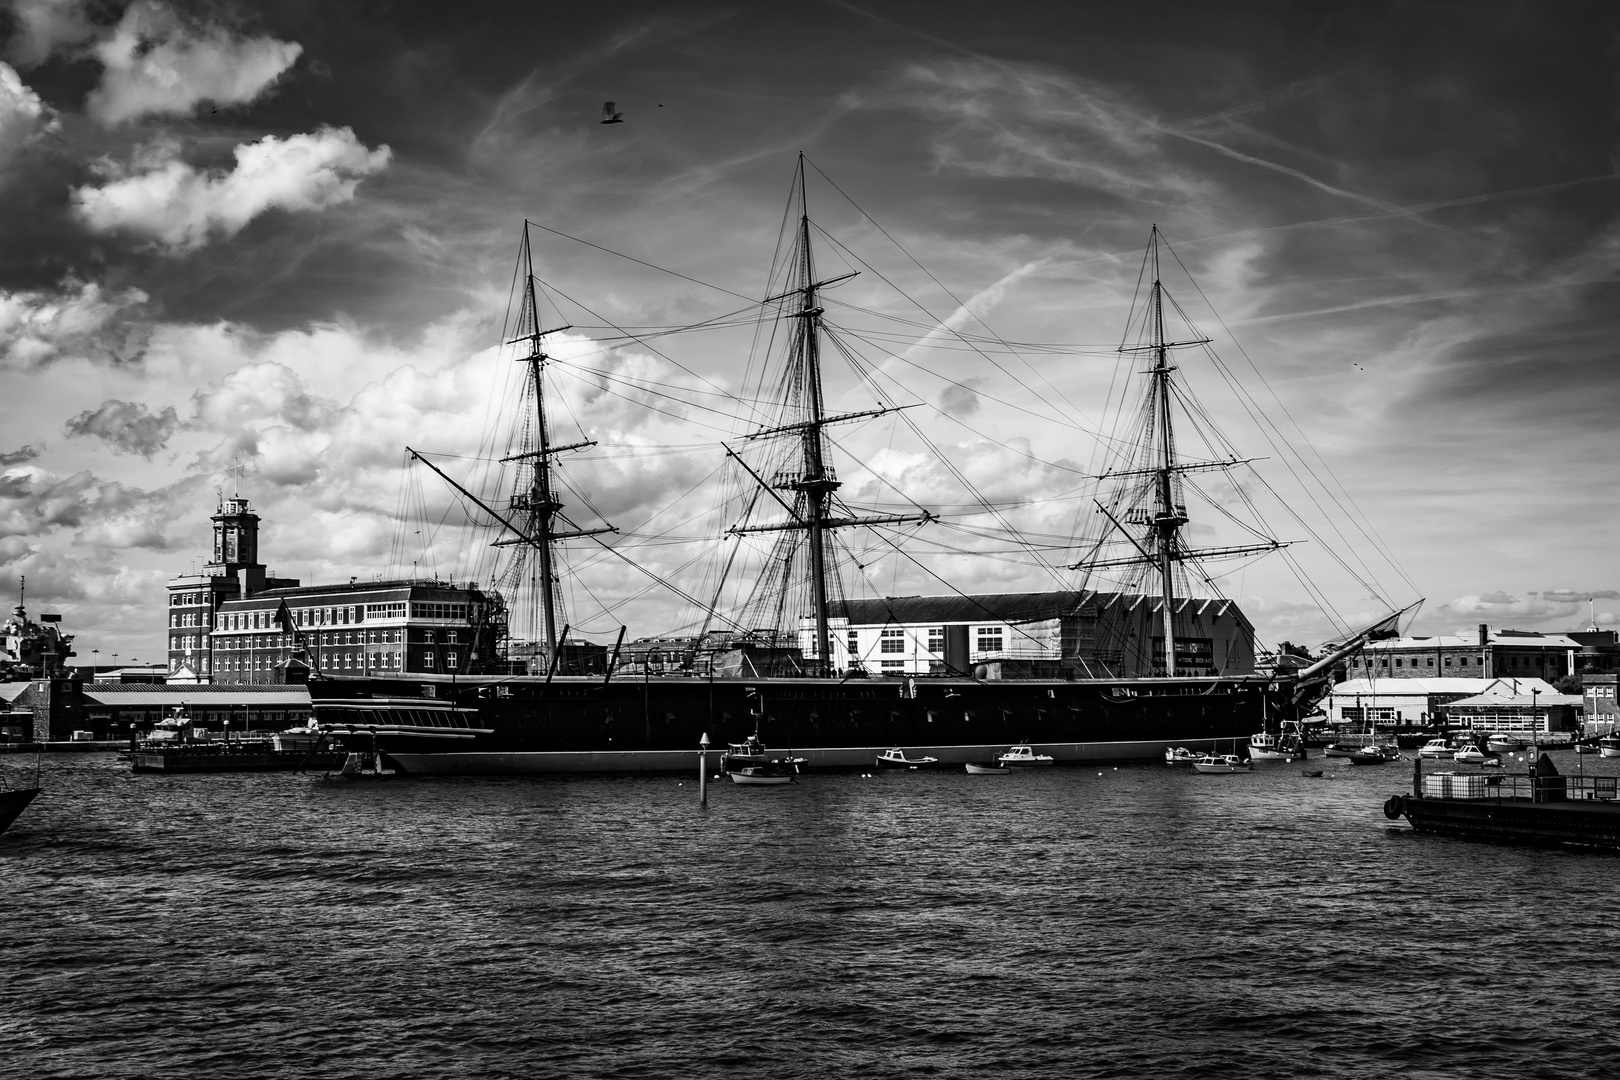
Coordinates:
<point>1526,715</point>
<point>1397,705</point>
<point>60,710</point>
<point>1076,634</point>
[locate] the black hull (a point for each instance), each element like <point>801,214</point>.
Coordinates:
<point>172,761</point>
<point>13,803</point>
<point>1515,821</point>
<point>495,726</point>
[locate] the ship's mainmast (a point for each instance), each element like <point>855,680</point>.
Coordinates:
<point>1162,547</point>
<point>539,504</point>
<point>815,481</point>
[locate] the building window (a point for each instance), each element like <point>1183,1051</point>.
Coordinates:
<point>894,665</point>
<point>854,644</point>
<point>936,639</point>
<point>893,641</point>
<point>450,659</point>
<point>989,639</point>
<point>427,659</point>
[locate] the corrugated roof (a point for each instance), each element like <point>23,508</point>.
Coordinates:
<point>1521,699</point>
<point>1505,638</point>
<point>1397,687</point>
<point>136,694</point>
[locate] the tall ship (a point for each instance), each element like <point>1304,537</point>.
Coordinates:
<point>1123,661</point>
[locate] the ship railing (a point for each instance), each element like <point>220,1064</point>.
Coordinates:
<point>1450,785</point>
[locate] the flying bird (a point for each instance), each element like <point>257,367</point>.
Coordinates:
<point>609,116</point>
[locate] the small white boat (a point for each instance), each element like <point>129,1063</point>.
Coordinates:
<point>987,768</point>
<point>897,759</point>
<point>1470,755</point>
<point>1024,754</point>
<point>1221,763</point>
<point>760,774</point>
<point>1179,755</point>
<point>1375,755</point>
<point>1285,744</point>
<point>1502,744</point>
<point>1437,748</point>
<point>1609,746</point>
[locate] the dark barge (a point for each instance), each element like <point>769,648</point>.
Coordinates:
<point>1541,807</point>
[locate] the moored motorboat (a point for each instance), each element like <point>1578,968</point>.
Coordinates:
<point>1500,743</point>
<point>768,774</point>
<point>1470,755</point>
<point>1609,746</point>
<point>1180,755</point>
<point>1285,744</point>
<point>1221,763</point>
<point>1437,748</point>
<point>897,759</point>
<point>1023,754</point>
<point>1375,755</point>
<point>987,768</point>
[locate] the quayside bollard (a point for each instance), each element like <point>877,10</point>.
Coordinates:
<point>703,770</point>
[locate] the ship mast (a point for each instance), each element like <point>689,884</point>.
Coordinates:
<point>814,481</point>
<point>539,503</point>
<point>1162,547</point>
<point>1169,517</point>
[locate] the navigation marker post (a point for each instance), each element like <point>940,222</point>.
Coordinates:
<point>703,770</point>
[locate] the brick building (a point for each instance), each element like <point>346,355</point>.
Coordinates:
<point>237,623</point>
<point>1490,654</point>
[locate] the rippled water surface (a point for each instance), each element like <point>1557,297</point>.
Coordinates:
<point>1137,921</point>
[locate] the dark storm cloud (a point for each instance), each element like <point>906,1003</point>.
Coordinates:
<point>19,456</point>
<point>126,426</point>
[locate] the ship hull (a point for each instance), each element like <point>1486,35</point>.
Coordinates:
<point>517,726</point>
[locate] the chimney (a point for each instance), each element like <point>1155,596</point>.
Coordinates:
<point>242,584</point>
<point>1484,634</point>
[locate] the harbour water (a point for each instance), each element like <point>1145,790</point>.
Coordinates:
<point>1067,922</point>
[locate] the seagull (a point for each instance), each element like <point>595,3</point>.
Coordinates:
<point>609,116</point>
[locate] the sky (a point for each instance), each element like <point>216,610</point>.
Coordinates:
<point>284,236</point>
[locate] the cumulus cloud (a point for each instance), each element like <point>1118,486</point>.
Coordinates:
<point>126,426</point>
<point>157,63</point>
<point>43,26</point>
<point>18,456</point>
<point>77,319</point>
<point>163,199</point>
<point>23,116</point>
